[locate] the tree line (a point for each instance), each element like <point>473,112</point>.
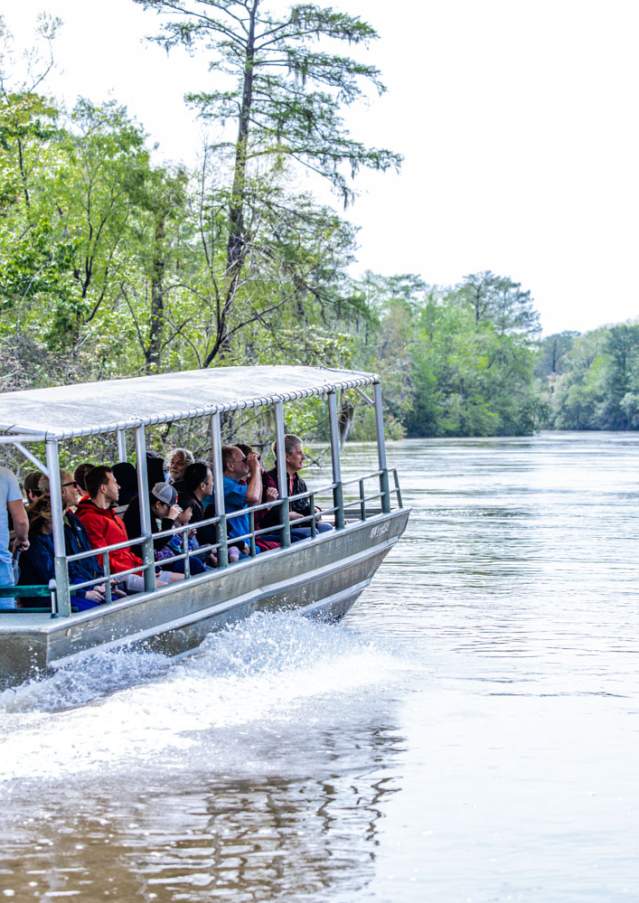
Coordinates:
<point>112,265</point>
<point>468,360</point>
<point>591,381</point>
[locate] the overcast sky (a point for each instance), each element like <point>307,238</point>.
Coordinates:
<point>517,120</point>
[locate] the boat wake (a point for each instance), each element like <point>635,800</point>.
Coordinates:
<point>243,698</point>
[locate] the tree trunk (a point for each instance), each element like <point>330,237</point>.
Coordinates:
<point>236,247</point>
<point>153,356</point>
<point>345,420</point>
<point>23,175</point>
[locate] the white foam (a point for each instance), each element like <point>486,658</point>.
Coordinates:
<point>271,674</point>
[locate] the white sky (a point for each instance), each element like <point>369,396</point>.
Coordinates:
<point>516,118</point>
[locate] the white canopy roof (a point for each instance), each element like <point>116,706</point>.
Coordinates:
<point>80,410</point>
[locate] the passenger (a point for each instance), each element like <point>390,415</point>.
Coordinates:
<point>75,536</point>
<point>37,564</point>
<point>247,450</point>
<point>155,471</point>
<point>76,539</point>
<point>242,488</point>
<point>31,486</point>
<point>300,508</point>
<point>70,490</point>
<point>197,486</point>
<point>266,541</point>
<point>104,527</point>
<point>80,474</point>
<point>178,461</point>
<point>165,513</point>
<point>196,489</point>
<point>176,546</point>
<point>127,478</point>
<point>11,503</point>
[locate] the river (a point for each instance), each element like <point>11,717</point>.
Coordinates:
<point>468,732</point>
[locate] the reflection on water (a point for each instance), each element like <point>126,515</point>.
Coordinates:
<point>258,838</point>
<point>468,734</point>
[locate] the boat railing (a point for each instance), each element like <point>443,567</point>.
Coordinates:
<point>360,503</point>
<point>360,500</point>
<point>108,575</point>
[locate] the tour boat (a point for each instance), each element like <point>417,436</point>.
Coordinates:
<point>320,576</point>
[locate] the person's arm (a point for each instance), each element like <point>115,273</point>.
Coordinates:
<point>20,524</point>
<point>254,487</point>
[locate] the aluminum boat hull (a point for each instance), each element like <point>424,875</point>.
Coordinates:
<point>321,577</point>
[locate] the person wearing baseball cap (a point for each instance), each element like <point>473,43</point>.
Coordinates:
<point>165,494</point>
<point>166,513</point>
<point>162,504</point>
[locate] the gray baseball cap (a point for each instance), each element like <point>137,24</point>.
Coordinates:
<point>164,492</point>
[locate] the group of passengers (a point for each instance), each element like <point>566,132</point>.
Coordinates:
<point>102,508</point>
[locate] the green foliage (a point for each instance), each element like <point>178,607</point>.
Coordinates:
<point>111,266</point>
<point>276,105</point>
<point>499,301</point>
<point>552,353</point>
<point>450,368</point>
<point>290,91</point>
<point>597,387</point>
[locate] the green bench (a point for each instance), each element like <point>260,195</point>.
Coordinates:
<point>30,592</point>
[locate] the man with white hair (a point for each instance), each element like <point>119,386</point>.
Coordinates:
<point>299,509</point>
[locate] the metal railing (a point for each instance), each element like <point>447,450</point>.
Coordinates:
<point>355,506</point>
<point>108,576</point>
<point>360,499</point>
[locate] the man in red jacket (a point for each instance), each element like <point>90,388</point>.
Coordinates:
<point>105,528</point>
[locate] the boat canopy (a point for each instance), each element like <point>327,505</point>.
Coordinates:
<point>84,409</point>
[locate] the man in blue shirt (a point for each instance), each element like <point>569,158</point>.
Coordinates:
<point>242,488</point>
<point>11,503</point>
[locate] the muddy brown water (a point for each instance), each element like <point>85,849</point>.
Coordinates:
<point>469,732</point>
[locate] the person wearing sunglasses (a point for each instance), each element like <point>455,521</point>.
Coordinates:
<point>70,490</point>
<point>75,536</point>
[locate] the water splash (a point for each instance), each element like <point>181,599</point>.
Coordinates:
<point>242,691</point>
<point>85,681</point>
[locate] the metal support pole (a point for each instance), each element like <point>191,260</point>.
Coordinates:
<point>186,550</point>
<point>381,450</point>
<point>398,491</point>
<point>311,499</point>
<point>252,542</point>
<point>282,475</point>
<point>145,512</point>
<point>22,437</point>
<point>338,495</point>
<point>53,596</point>
<point>121,437</point>
<point>218,491</point>
<point>57,521</point>
<point>31,457</point>
<point>108,587</point>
